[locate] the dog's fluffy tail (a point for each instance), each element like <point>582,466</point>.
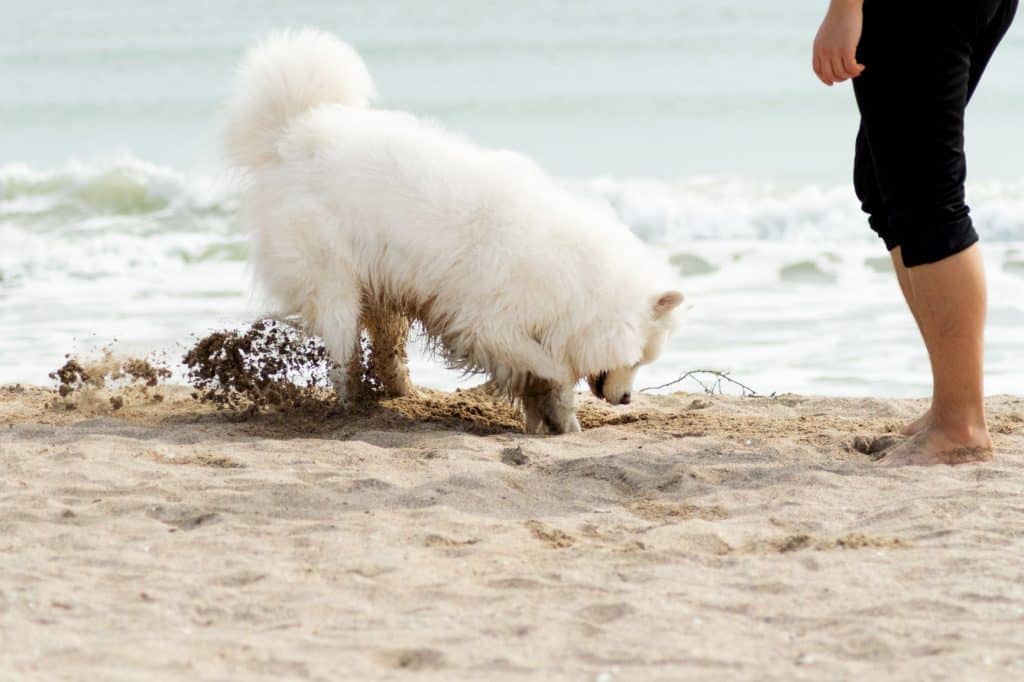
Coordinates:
<point>285,75</point>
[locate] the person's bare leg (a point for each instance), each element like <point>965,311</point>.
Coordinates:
<point>903,277</point>
<point>950,300</point>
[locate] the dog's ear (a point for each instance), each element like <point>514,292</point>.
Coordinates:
<point>667,302</point>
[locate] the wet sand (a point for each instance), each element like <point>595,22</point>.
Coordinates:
<point>683,537</point>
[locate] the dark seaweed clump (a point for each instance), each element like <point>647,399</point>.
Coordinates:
<point>269,364</point>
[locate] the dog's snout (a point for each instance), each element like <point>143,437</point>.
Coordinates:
<point>625,399</point>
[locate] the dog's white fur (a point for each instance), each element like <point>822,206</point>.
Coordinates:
<point>363,218</point>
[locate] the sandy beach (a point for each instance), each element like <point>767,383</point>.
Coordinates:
<point>684,537</point>
<point>183,500</point>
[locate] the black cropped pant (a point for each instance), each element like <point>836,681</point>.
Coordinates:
<point>923,59</point>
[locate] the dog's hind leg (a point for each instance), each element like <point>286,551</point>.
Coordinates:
<point>389,363</point>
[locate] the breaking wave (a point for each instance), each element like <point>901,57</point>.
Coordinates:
<point>734,209</point>
<point>127,192</point>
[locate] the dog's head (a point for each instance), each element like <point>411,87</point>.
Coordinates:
<point>615,384</point>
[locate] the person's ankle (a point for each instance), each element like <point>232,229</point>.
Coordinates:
<point>966,430</point>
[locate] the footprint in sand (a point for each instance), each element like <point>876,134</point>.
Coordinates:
<point>183,518</point>
<point>437,540</point>
<point>413,659</point>
<point>552,537</point>
<point>514,457</point>
<point>605,613</point>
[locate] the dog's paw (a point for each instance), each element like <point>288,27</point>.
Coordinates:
<point>346,387</point>
<point>560,423</point>
<point>534,424</point>
<point>563,424</point>
<point>550,412</point>
<point>402,388</point>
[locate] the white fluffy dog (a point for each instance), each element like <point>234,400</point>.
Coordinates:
<point>364,219</point>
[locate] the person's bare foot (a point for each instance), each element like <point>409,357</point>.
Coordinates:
<point>932,446</point>
<point>918,425</point>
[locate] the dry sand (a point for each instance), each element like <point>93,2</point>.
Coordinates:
<point>685,537</point>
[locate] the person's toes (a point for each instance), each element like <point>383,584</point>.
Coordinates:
<point>918,425</point>
<point>891,456</point>
<point>891,460</point>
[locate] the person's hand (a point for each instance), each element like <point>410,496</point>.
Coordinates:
<point>835,47</point>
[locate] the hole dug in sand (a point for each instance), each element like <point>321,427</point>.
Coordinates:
<point>873,446</point>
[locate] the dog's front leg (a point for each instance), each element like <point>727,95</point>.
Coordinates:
<point>335,319</point>
<point>560,410</point>
<point>548,408</point>
<point>347,379</point>
<point>533,413</point>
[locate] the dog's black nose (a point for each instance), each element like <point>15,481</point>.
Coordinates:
<point>625,400</point>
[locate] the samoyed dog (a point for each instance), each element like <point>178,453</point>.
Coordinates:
<point>368,220</point>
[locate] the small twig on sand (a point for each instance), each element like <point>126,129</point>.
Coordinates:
<point>709,389</point>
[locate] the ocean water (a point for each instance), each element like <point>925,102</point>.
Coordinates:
<point>700,123</point>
